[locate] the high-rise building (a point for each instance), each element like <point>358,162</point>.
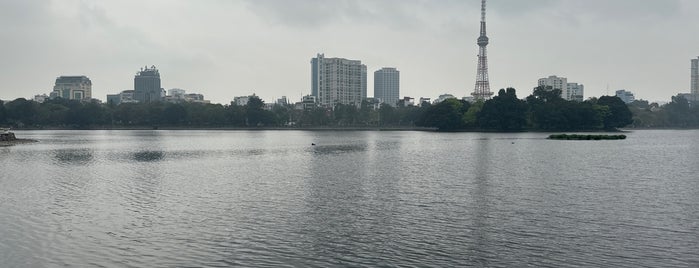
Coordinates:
<point>575,92</point>
<point>554,82</point>
<point>569,91</point>
<point>387,85</point>
<point>695,77</point>
<point>147,85</point>
<point>625,95</point>
<point>338,81</point>
<point>73,88</point>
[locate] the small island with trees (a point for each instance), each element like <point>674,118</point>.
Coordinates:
<point>581,137</point>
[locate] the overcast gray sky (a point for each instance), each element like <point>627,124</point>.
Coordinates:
<point>227,48</point>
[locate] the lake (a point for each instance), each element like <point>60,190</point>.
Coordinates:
<point>157,198</point>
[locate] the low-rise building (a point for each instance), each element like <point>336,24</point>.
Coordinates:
<point>443,97</point>
<point>41,98</point>
<point>125,96</point>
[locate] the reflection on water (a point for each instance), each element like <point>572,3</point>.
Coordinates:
<point>409,199</point>
<point>74,156</point>
<point>149,156</point>
<point>338,149</point>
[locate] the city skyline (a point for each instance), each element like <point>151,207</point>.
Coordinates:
<point>226,49</point>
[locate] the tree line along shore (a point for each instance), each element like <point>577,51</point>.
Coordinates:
<point>543,110</point>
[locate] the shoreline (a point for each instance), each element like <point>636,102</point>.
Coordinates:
<point>339,128</point>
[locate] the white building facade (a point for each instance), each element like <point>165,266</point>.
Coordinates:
<point>575,92</point>
<point>569,91</point>
<point>387,85</point>
<point>338,81</point>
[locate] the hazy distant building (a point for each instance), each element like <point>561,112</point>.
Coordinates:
<point>424,101</point>
<point>406,102</point>
<point>575,92</point>
<point>41,98</point>
<point>176,93</point>
<point>387,85</point>
<point>242,100</point>
<point>695,77</point>
<point>338,81</point>
<point>444,97</point>
<point>626,96</point>
<point>73,88</point>
<point>282,101</point>
<point>125,96</point>
<point>147,85</point>
<point>309,102</point>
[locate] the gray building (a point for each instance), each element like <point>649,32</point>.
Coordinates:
<point>73,88</point>
<point>147,85</point>
<point>338,81</point>
<point>626,96</point>
<point>575,92</point>
<point>695,77</point>
<point>126,96</point>
<point>387,85</point>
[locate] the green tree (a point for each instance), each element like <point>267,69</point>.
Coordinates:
<point>619,114</point>
<point>235,115</point>
<point>3,113</point>
<point>256,114</point>
<point>504,112</point>
<point>22,112</point>
<point>174,114</point>
<point>445,116</point>
<point>387,115</point>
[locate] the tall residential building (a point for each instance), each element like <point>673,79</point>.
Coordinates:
<point>387,85</point>
<point>73,88</point>
<point>575,92</point>
<point>569,91</point>
<point>626,96</point>
<point>554,82</point>
<point>338,81</point>
<point>695,77</point>
<point>147,85</point>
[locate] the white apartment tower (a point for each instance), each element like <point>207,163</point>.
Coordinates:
<point>555,82</point>
<point>695,77</point>
<point>575,92</point>
<point>387,85</point>
<point>338,81</point>
<point>569,91</point>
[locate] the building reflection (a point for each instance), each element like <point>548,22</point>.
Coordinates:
<point>73,156</point>
<point>482,202</point>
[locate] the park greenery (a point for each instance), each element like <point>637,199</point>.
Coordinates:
<point>543,110</point>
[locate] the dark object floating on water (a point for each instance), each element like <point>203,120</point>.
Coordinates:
<point>578,137</point>
<point>313,144</point>
<point>8,138</point>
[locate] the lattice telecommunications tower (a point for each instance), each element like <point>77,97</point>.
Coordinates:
<point>482,90</point>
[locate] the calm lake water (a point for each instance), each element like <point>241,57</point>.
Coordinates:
<point>269,198</point>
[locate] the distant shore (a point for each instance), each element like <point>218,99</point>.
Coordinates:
<point>333,128</point>
<point>336,128</point>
